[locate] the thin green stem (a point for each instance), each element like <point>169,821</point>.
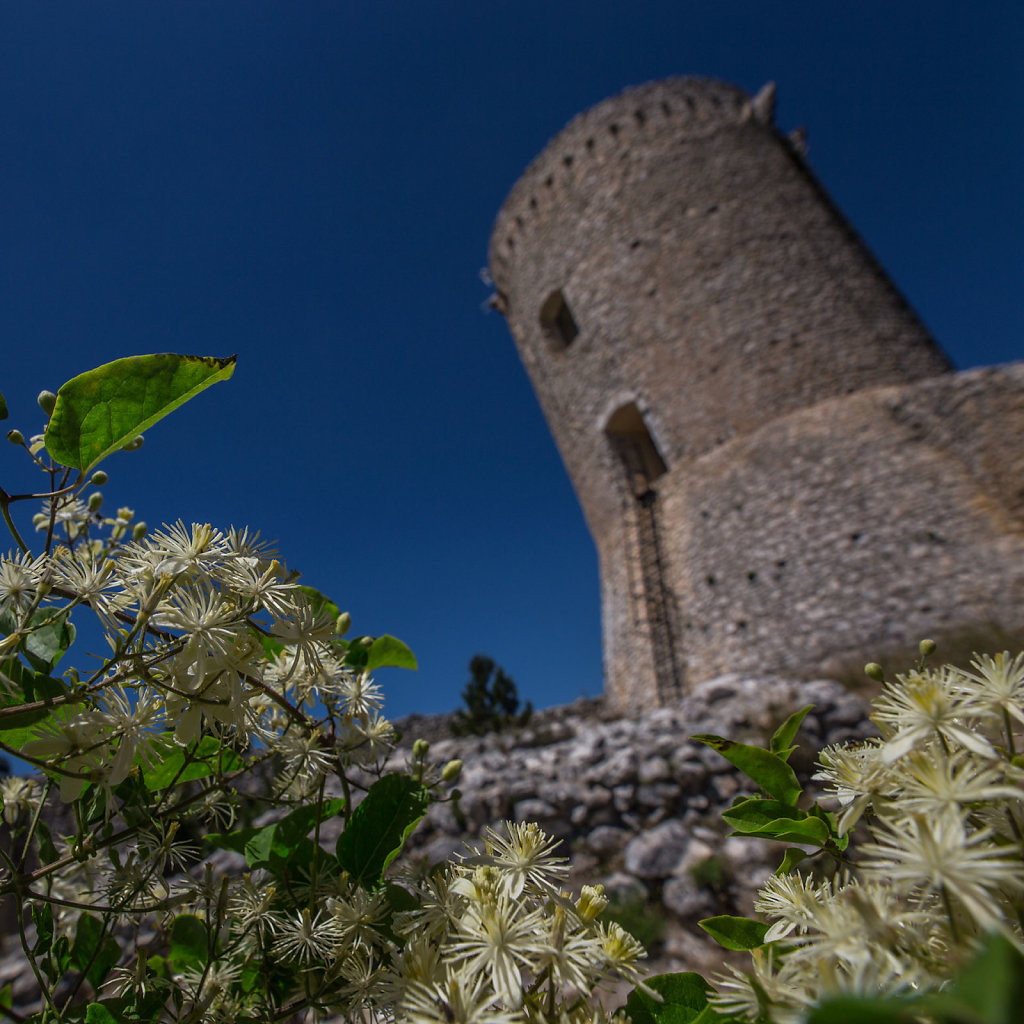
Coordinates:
<point>5,501</point>
<point>43,987</point>
<point>34,825</point>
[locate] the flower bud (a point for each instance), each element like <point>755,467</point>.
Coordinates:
<point>139,530</point>
<point>125,514</point>
<point>591,902</point>
<point>419,749</point>
<point>874,671</point>
<point>134,445</point>
<point>47,400</point>
<point>927,648</point>
<point>15,437</point>
<point>99,478</point>
<point>95,501</point>
<point>40,519</point>
<point>343,623</point>
<point>451,771</point>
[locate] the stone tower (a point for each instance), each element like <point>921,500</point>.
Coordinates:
<point>777,465</point>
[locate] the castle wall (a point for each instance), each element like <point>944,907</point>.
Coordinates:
<point>840,533</point>
<point>688,304</point>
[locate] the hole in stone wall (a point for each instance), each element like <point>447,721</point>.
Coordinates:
<point>640,116</point>
<point>634,445</point>
<point>557,322</point>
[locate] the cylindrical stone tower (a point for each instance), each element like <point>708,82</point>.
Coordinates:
<point>675,280</point>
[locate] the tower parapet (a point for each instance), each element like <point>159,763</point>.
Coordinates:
<point>682,291</point>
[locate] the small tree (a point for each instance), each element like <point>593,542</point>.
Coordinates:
<point>492,703</point>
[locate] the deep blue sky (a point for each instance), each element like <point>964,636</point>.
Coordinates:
<point>312,185</point>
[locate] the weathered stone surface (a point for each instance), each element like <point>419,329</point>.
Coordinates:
<point>688,901</point>
<point>658,852</point>
<point>606,839</point>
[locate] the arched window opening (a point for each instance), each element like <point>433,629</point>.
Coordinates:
<point>634,445</point>
<point>557,322</point>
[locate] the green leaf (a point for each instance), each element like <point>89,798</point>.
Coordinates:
<point>104,409</point>
<point>810,832</point>
<point>196,761</point>
<point>97,1013</point>
<point>188,943</point>
<point>380,826</point>
<point>95,951</point>
<point>42,917</point>
<point>320,603</point>
<point>57,963</point>
<point>768,770</point>
<point>18,727</point>
<point>830,820</point>
<point>278,841</point>
<point>45,645</point>
<point>866,1010</point>
<point>684,1001</point>
<point>47,850</point>
<point>790,859</point>
<point>47,641</point>
<point>783,737</point>
<point>399,898</point>
<point>272,647</point>
<point>389,652</point>
<point>990,986</point>
<point>753,813</point>
<point>3,408</point>
<point>281,844</point>
<point>735,932</point>
<point>773,819</point>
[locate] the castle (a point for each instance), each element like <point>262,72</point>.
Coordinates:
<point>779,468</point>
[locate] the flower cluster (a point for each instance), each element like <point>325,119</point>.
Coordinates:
<point>210,636</point>
<point>491,937</point>
<point>231,711</point>
<point>940,796</point>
